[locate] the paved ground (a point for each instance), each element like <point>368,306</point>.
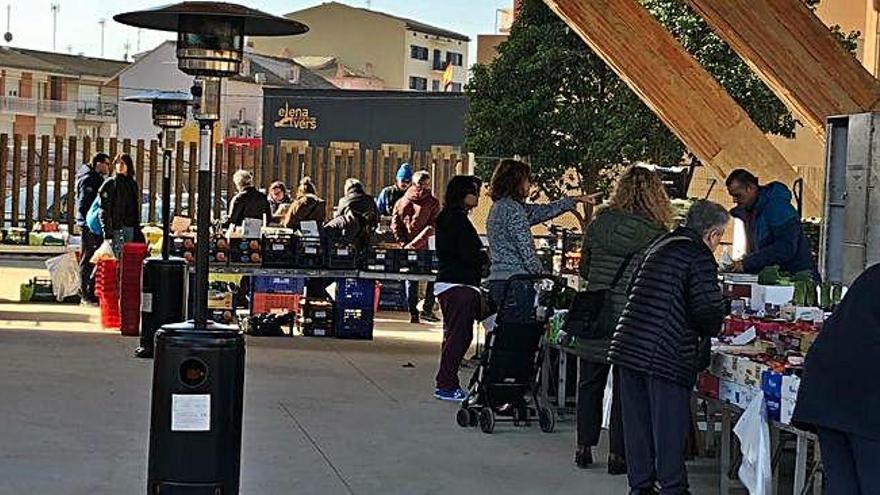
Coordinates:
<point>321,416</point>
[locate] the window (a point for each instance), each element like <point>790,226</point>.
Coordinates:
<point>456,87</point>
<point>418,83</point>
<point>418,52</point>
<point>438,62</point>
<point>454,58</point>
<point>435,85</point>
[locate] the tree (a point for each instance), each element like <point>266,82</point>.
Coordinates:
<point>549,98</point>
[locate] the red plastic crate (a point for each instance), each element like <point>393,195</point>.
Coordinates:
<point>263,303</point>
<point>133,255</point>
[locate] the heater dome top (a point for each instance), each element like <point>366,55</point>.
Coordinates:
<point>256,22</point>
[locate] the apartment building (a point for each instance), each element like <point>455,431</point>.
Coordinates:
<point>47,93</point>
<point>241,111</point>
<point>403,53</point>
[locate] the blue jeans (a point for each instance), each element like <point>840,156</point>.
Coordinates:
<point>120,237</point>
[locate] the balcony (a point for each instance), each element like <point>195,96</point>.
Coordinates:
<point>16,105</point>
<point>97,110</point>
<point>57,108</point>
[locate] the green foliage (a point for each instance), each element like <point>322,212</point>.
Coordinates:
<point>548,98</point>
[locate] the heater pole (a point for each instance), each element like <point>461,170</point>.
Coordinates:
<point>200,309</point>
<point>166,202</point>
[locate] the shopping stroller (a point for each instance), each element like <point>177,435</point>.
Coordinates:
<point>505,385</point>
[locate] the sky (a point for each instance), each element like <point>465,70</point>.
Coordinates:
<point>78,29</point>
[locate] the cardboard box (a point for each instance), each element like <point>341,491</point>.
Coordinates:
<point>738,395</point>
<point>708,385</point>
<point>723,366</point>
<point>774,408</point>
<point>790,386</point>
<point>786,410</point>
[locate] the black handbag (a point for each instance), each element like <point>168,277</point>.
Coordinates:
<point>584,315</point>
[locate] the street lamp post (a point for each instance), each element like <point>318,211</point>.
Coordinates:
<point>165,279</point>
<point>198,372</point>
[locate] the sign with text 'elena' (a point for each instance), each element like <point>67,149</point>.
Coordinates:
<point>297,118</point>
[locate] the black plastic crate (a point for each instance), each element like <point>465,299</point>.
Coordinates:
<point>317,329</point>
<point>354,323</point>
<point>309,253</point>
<point>392,296</point>
<point>317,311</point>
<point>245,252</point>
<point>183,247</point>
<point>341,255</point>
<point>218,250</point>
<point>381,259</point>
<point>414,261</point>
<point>279,251</point>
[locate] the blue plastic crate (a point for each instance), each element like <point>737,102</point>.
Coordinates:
<point>277,285</point>
<point>354,323</point>
<point>355,293</point>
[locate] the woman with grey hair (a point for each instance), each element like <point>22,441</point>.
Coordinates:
<point>356,216</point>
<point>248,203</point>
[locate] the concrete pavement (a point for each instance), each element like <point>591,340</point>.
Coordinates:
<point>321,417</point>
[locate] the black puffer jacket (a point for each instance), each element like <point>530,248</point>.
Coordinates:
<point>249,203</point>
<point>120,204</point>
<point>674,300</point>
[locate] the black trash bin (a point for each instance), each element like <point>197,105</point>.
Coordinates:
<point>195,427</point>
<point>163,299</point>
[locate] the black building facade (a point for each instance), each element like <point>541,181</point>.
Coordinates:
<point>364,119</point>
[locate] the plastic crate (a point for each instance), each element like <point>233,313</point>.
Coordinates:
<point>392,296</point>
<point>341,255</point>
<point>354,323</point>
<point>355,293</point>
<point>279,251</point>
<point>317,312</point>
<point>381,259</point>
<point>245,252</point>
<point>223,316</point>
<point>309,253</point>
<point>414,261</point>
<point>277,285</point>
<point>317,329</point>
<point>262,303</point>
<point>218,250</point>
<point>183,247</point>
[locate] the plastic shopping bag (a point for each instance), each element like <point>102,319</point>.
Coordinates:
<point>64,272</point>
<point>607,398</point>
<point>104,252</point>
<point>754,435</point>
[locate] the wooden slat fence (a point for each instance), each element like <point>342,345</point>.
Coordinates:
<point>40,173</point>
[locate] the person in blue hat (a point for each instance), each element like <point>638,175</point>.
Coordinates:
<point>389,196</point>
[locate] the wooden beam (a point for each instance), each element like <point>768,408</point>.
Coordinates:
<point>796,55</point>
<point>676,88</point>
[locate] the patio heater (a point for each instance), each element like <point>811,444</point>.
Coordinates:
<point>165,278</point>
<point>198,373</point>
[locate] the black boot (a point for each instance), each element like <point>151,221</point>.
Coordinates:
<point>616,465</point>
<point>583,456</point>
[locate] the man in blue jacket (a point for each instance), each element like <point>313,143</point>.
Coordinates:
<point>389,196</point>
<point>773,227</point>
<point>88,180</point>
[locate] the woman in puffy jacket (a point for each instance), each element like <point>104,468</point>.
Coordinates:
<point>638,212</point>
<point>307,206</point>
<point>120,204</point>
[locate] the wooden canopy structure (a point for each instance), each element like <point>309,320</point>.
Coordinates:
<point>796,55</point>
<point>677,88</point>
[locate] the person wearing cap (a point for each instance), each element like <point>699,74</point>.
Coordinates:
<point>389,196</point>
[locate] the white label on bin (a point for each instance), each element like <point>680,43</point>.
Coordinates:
<point>320,332</point>
<point>146,302</point>
<point>320,314</point>
<point>190,412</point>
<point>277,247</point>
<point>342,252</point>
<point>311,250</point>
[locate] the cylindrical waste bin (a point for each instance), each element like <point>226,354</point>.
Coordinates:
<point>163,299</point>
<point>195,426</point>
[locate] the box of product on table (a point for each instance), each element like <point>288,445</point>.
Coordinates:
<point>245,252</point>
<point>183,246</point>
<point>279,251</point>
<point>218,250</point>
<point>341,255</point>
<point>309,252</point>
<point>415,261</point>
<point>381,258</point>
<point>277,284</point>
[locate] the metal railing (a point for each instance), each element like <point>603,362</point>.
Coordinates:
<point>57,107</point>
<point>96,109</point>
<point>15,104</point>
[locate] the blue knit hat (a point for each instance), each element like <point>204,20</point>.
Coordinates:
<point>405,172</point>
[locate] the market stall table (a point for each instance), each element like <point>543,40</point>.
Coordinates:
<point>806,473</point>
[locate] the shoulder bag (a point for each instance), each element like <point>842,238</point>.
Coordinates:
<point>583,316</point>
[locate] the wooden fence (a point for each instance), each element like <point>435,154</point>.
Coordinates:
<point>36,166</point>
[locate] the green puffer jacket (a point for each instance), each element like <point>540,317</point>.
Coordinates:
<point>610,238</point>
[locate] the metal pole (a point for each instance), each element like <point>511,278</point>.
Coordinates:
<point>166,202</point>
<point>200,311</point>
